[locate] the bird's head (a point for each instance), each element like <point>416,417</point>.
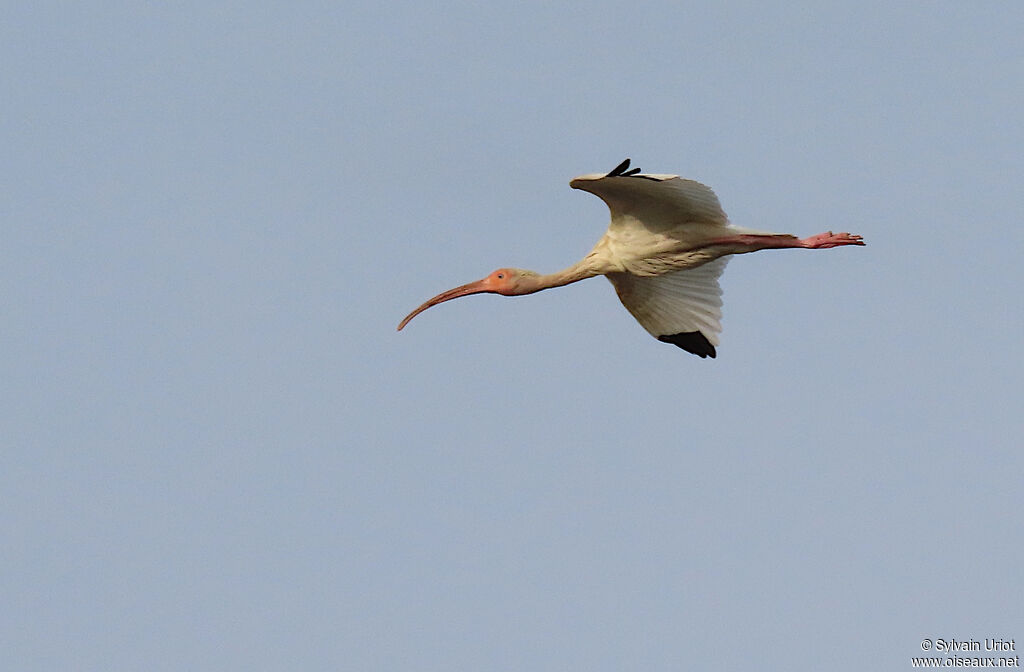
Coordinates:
<point>507,281</point>
<point>511,281</point>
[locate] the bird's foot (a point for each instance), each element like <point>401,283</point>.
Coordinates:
<point>829,239</point>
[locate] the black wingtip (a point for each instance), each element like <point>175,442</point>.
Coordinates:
<point>693,342</point>
<point>620,169</point>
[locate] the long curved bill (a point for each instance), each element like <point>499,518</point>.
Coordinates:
<point>476,287</point>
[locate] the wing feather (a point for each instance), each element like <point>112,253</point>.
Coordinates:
<point>658,201</point>
<point>676,303</point>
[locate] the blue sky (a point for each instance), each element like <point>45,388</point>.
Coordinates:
<point>219,454</point>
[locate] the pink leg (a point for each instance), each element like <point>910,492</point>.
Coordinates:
<point>829,239</point>
<point>755,242</point>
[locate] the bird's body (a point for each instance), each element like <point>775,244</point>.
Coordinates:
<point>666,246</point>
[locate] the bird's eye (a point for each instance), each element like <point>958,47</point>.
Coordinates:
<point>501,276</point>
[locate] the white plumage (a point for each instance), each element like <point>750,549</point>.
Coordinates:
<point>677,302</point>
<point>658,234</point>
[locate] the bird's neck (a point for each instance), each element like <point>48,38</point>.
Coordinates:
<point>581,270</point>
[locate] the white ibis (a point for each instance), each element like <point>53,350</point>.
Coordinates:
<point>666,246</point>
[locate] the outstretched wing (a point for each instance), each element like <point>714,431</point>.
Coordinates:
<point>659,202</point>
<point>683,308</point>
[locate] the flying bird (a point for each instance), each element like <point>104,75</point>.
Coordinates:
<point>665,248</point>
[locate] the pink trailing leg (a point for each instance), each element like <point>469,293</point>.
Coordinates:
<point>756,241</point>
